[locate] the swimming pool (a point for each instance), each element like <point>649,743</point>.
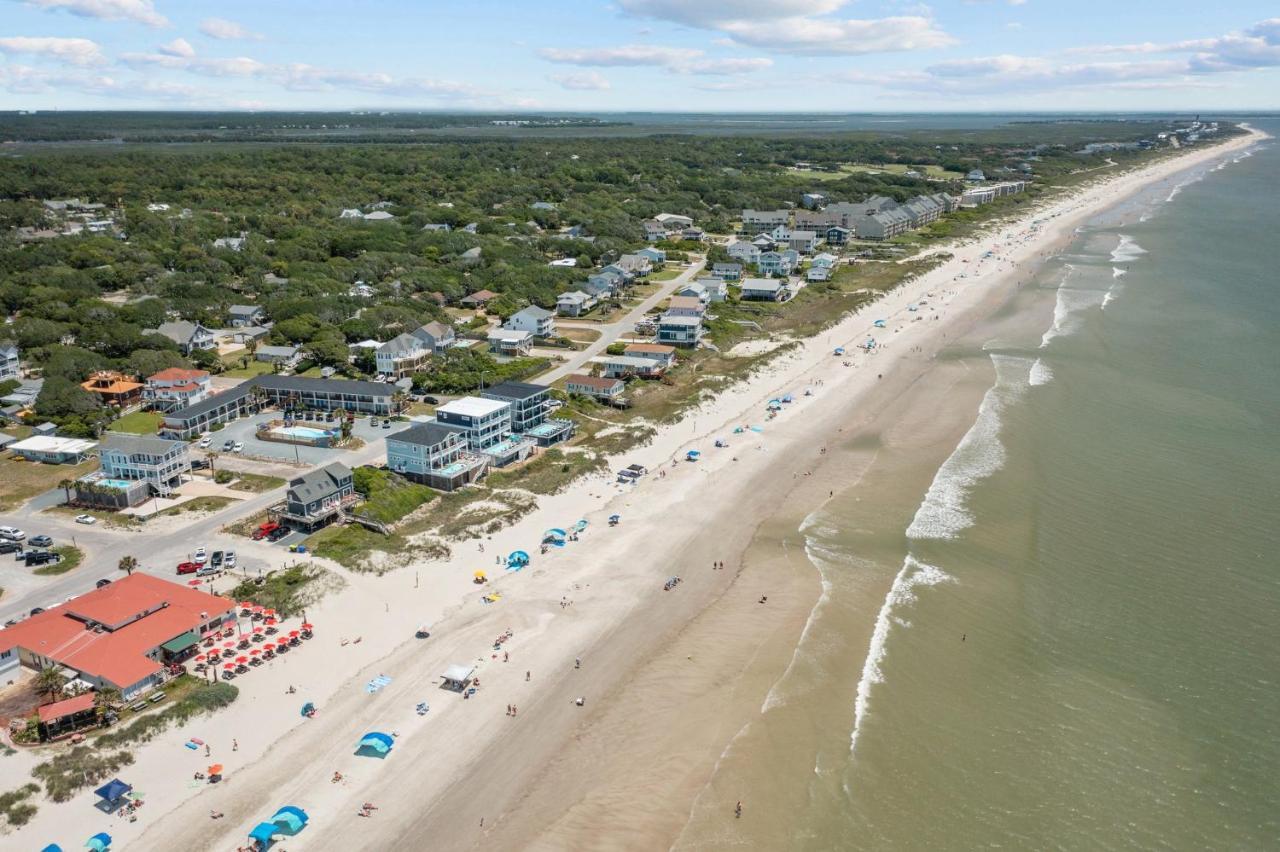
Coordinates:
<point>119,484</point>
<point>302,432</point>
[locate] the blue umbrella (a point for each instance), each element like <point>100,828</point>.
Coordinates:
<point>518,557</point>
<point>878,323</point>
<point>263,831</point>
<point>839,350</point>
<point>297,812</point>
<point>99,841</point>
<point>379,742</point>
<point>290,819</point>
<point>113,790</point>
<point>52,847</point>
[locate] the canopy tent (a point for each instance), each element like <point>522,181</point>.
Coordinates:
<point>263,831</point>
<point>879,323</point>
<point>580,525</point>
<point>291,819</point>
<point>113,790</point>
<point>181,643</point>
<point>52,847</point>
<point>555,536</point>
<point>457,676</point>
<point>99,841</point>
<point>788,398</point>
<point>693,455</point>
<point>308,708</point>
<point>377,742</point>
<point>518,557</point>
<point>839,350</point>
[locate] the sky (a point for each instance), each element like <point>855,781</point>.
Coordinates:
<point>647,55</point>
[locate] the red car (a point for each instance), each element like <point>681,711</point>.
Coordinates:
<point>265,530</point>
<point>188,567</point>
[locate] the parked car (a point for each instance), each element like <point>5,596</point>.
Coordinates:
<point>216,559</point>
<point>199,464</point>
<point>40,541</point>
<point>201,556</point>
<point>12,533</point>
<point>430,400</point>
<point>208,571</point>
<point>386,424</point>
<point>205,442</point>
<point>11,547</point>
<point>265,530</point>
<point>278,533</point>
<point>41,557</point>
<point>229,559</point>
<point>87,520</point>
<point>188,567</point>
<point>103,582</point>
<point>227,445</point>
<point>239,447</point>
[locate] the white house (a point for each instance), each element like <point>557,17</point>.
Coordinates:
<point>539,322</point>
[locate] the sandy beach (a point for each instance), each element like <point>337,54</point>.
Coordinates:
<point>668,677</point>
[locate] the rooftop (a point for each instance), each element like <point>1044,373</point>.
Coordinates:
<point>428,434</point>
<point>473,406</point>
<point>177,374</point>
<point>51,444</point>
<point>138,444</point>
<point>596,382</point>
<point>514,390</point>
<point>656,348</point>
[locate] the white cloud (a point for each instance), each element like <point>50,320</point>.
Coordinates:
<point>178,47</point>
<point>140,11</point>
<point>22,79</point>
<point>73,51</point>
<point>678,60</point>
<point>585,81</point>
<point>224,30</point>
<point>710,14</point>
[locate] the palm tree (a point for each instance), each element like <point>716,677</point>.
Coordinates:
<point>105,698</point>
<point>212,458</point>
<point>127,565</point>
<point>49,683</point>
<point>65,485</point>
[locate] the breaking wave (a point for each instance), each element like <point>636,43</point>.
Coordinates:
<point>1040,374</point>
<point>1127,250</point>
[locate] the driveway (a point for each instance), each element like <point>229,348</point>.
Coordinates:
<point>616,329</point>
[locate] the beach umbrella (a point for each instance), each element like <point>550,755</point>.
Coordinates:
<point>52,847</point>
<point>375,741</point>
<point>194,582</point>
<point>216,769</point>
<point>306,625</point>
<point>293,634</point>
<point>269,621</point>
<point>228,666</point>
<point>879,323</point>
<point>270,612</point>
<point>291,818</point>
<point>112,791</point>
<point>242,660</point>
<point>198,657</point>
<point>255,652</point>
<point>283,643</point>
<point>262,833</point>
<point>99,841</point>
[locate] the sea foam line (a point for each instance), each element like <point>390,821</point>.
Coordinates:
<point>1127,250</point>
<point>913,573</point>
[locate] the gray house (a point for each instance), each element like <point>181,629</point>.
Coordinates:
<point>188,335</point>
<point>9,360</point>
<point>316,498</point>
<point>243,316</point>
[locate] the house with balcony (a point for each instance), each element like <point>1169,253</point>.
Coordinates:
<point>487,425</point>
<point>317,498</point>
<point>686,306</point>
<point>246,316</point>
<point>777,263</point>
<point>663,356</point>
<point>657,257</point>
<point>539,322</point>
<point>727,271</point>
<point>438,336</point>
<point>402,356</point>
<point>531,412</point>
<point>284,357</point>
<point>189,336</point>
<point>754,221</point>
<point>509,342</point>
<point>764,290</point>
<point>679,330</point>
<point>10,360</point>
<point>114,388</point>
<point>836,235</point>
<point>575,303</point>
<point>435,454</point>
<point>176,388</point>
<point>628,366</point>
<point>606,390</point>
<point>160,463</point>
<point>745,252</point>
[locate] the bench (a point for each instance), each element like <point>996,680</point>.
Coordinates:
<point>138,706</point>
<point>157,697</point>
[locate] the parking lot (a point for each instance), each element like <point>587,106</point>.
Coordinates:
<point>245,430</point>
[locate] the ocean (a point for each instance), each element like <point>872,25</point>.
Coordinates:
<point>1079,647</point>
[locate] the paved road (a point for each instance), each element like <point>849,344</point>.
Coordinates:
<point>610,332</point>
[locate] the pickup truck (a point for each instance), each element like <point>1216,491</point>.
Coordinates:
<point>265,530</point>
<point>188,567</point>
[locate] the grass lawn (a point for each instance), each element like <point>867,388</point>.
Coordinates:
<point>21,480</point>
<point>287,591</point>
<point>668,274</point>
<point>71,557</point>
<point>549,473</point>
<point>255,483</point>
<point>138,423</point>
<point>388,497</point>
<point>579,335</point>
<point>255,368</point>
<point>196,506</point>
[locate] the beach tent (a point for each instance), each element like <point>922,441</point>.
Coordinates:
<point>377,743</point>
<point>52,847</point>
<point>580,525</point>
<point>262,833</point>
<point>839,350</point>
<point>554,536</point>
<point>99,842</point>
<point>308,708</point>
<point>113,790</point>
<point>788,399</point>
<point>693,455</point>
<point>456,677</point>
<point>878,323</point>
<point>290,819</point>
<point>517,557</point>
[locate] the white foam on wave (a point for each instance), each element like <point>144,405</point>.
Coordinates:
<point>914,574</point>
<point>1041,374</point>
<point>1127,250</point>
<point>825,561</point>
<point>943,513</point>
<point>1116,272</point>
<point>1068,311</point>
<point>1109,297</point>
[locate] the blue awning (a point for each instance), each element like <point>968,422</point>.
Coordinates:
<point>263,831</point>
<point>295,811</point>
<point>99,841</point>
<point>113,790</point>
<point>379,742</point>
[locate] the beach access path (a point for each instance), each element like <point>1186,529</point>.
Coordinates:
<point>599,598</point>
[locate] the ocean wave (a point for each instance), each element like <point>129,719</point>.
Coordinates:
<point>914,574</point>
<point>1116,272</point>
<point>1127,250</point>
<point>1040,374</point>
<point>943,513</point>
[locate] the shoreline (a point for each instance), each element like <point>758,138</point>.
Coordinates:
<point>464,761</point>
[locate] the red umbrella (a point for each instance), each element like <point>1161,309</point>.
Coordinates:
<point>270,612</point>
<point>228,665</point>
<point>242,659</point>
<point>307,626</point>
<point>246,604</point>
<point>255,652</point>
<point>282,642</point>
<point>194,582</point>
<point>293,634</point>
<point>269,621</point>
<point>229,644</point>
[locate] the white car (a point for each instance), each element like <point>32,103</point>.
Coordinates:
<point>201,556</point>
<point>205,442</point>
<point>238,448</point>
<point>87,520</point>
<point>12,533</point>
<point>229,559</point>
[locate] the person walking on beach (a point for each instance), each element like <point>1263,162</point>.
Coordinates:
<point>577,662</point>
<point>737,811</point>
<point>235,744</point>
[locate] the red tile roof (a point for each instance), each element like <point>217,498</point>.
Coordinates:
<point>176,374</point>
<point>145,611</point>
<point>67,707</point>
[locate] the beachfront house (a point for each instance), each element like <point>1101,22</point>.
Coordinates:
<point>574,303</point>
<point>777,263</point>
<point>317,498</point>
<point>509,342</point>
<point>606,390</point>
<point>435,454</point>
<point>727,271</point>
<point>10,360</point>
<point>160,463</point>
<point>686,306</point>
<point>763,290</point>
<point>488,428</point>
<point>663,356</point>
<point>176,388</point>
<point>48,449</point>
<point>628,366</point>
<point>531,411</point>
<point>683,331</point>
<point>539,322</point>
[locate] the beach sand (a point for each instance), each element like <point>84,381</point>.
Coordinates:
<point>669,677</point>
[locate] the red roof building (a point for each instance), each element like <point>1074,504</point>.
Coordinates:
<point>177,388</point>
<point>121,635</point>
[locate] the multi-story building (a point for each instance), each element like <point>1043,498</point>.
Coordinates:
<point>114,388</point>
<point>486,423</point>
<point>317,498</point>
<point>531,411</point>
<point>10,360</point>
<point>679,331</point>
<point>754,221</point>
<point>435,454</point>
<point>176,388</point>
<point>539,322</point>
<point>401,356</point>
<point>160,463</point>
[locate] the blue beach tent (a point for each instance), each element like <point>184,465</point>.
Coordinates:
<point>262,833</point>
<point>878,323</point>
<point>113,790</point>
<point>376,742</point>
<point>555,536</point>
<point>99,842</point>
<point>517,557</point>
<point>290,819</point>
<point>52,847</point>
